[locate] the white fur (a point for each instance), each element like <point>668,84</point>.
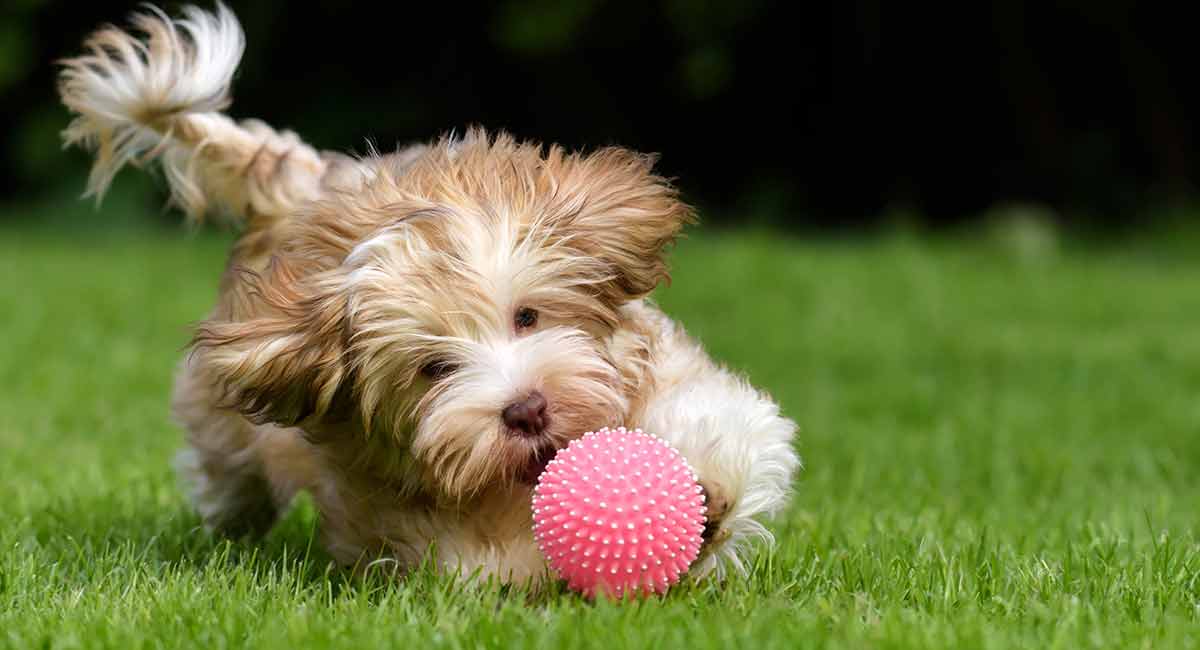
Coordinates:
<point>732,434</point>
<point>736,440</point>
<point>156,93</point>
<point>127,92</point>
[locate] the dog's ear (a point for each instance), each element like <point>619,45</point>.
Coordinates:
<point>612,206</point>
<point>285,363</point>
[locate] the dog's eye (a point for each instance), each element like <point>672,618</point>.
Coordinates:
<point>525,318</point>
<point>437,369</point>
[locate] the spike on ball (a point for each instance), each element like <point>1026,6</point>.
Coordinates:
<point>586,487</point>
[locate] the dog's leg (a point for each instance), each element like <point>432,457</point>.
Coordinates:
<point>733,436</point>
<point>221,463</point>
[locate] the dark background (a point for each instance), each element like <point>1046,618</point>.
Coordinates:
<point>837,114</point>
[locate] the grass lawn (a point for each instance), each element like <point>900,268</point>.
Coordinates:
<point>1000,451</point>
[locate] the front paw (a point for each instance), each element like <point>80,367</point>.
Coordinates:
<point>716,506</point>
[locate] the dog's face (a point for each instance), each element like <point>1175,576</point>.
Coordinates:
<point>463,309</point>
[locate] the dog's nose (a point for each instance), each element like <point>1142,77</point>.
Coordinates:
<point>528,416</point>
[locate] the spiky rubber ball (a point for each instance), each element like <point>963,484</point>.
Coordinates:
<point>618,512</point>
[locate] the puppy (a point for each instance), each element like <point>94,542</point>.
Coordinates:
<point>410,337</point>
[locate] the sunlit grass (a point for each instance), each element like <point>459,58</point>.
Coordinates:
<point>1001,449</point>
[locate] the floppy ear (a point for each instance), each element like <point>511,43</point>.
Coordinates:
<point>613,207</point>
<point>286,364</point>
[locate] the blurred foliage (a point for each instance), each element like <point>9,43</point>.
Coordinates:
<point>541,26</point>
<point>764,112</point>
<point>15,53</point>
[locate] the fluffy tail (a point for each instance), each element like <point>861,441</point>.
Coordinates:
<point>155,92</point>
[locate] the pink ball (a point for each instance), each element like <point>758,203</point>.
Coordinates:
<point>618,512</point>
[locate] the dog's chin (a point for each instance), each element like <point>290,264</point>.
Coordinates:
<point>539,458</point>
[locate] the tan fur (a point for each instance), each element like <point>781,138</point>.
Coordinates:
<point>364,343</point>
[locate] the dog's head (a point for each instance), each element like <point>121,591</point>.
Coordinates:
<point>462,308</point>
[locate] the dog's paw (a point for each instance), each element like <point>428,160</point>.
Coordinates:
<point>716,506</point>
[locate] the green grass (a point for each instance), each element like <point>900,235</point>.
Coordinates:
<point>1001,450</point>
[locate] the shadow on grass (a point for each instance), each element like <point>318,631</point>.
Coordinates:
<point>87,542</point>
<point>81,537</point>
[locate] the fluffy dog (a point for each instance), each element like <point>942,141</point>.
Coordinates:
<point>410,337</point>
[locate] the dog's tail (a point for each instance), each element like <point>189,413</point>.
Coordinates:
<point>155,92</point>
